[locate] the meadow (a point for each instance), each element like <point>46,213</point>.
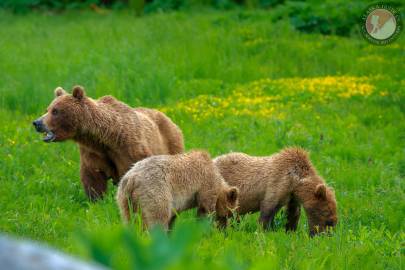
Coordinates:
<point>233,81</point>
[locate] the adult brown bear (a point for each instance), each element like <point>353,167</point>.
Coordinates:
<point>111,135</point>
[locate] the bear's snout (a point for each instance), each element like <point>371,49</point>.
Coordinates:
<point>39,125</point>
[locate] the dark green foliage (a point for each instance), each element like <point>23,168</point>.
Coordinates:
<point>338,17</point>
<point>23,6</point>
<point>19,6</point>
<point>327,17</point>
<point>164,5</point>
<point>148,251</point>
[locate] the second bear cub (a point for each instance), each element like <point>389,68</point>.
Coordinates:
<point>287,179</point>
<point>163,185</point>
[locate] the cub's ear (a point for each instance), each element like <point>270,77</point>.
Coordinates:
<point>78,92</point>
<point>59,91</point>
<point>232,195</point>
<point>320,191</point>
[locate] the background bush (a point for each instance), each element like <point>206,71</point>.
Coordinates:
<point>338,17</point>
<point>326,17</point>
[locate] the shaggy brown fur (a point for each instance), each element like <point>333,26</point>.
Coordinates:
<point>287,179</point>
<point>111,135</point>
<point>165,185</point>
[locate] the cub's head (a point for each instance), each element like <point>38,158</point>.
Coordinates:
<point>227,203</point>
<point>62,117</point>
<point>321,210</point>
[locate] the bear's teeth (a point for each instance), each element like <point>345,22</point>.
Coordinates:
<point>50,136</point>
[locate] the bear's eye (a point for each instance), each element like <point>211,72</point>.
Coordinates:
<point>54,111</point>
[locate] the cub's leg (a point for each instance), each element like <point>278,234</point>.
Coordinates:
<point>171,222</point>
<point>268,210</point>
<point>293,214</point>
<point>156,212</point>
<point>201,212</point>
<point>267,214</point>
<point>126,199</point>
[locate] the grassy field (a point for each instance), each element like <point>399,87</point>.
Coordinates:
<point>232,81</point>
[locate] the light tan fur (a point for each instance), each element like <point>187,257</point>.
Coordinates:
<point>110,134</point>
<point>287,178</point>
<point>165,185</point>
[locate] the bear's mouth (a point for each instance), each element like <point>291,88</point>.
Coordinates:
<point>49,136</point>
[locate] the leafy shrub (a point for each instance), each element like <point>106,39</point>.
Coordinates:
<point>338,17</point>
<point>125,249</point>
<point>21,6</point>
<point>147,5</point>
<point>327,17</point>
<point>164,5</point>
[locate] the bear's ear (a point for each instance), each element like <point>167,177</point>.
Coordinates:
<point>59,91</point>
<point>320,191</point>
<point>78,92</point>
<point>232,195</point>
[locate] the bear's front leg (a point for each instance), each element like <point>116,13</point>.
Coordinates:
<point>94,182</point>
<point>268,210</point>
<point>171,222</point>
<point>293,215</point>
<point>95,170</point>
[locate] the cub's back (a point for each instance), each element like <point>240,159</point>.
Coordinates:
<point>240,167</point>
<point>249,174</point>
<point>187,172</point>
<point>147,173</point>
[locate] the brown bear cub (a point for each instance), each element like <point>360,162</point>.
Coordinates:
<point>161,186</point>
<point>287,178</point>
<point>110,134</point>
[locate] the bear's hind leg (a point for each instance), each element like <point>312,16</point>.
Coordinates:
<point>157,213</point>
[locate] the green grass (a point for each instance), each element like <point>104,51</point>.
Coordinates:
<point>357,142</point>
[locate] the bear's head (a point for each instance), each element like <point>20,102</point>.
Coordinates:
<point>227,203</point>
<point>321,210</point>
<point>62,117</point>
